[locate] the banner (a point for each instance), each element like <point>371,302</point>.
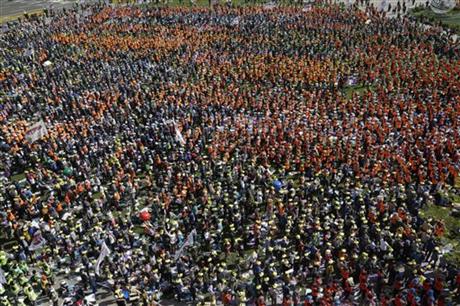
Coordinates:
<point>188,241</point>
<point>104,252</point>
<point>37,241</point>
<point>36,131</point>
<point>352,80</point>
<point>235,21</point>
<point>2,276</point>
<point>179,137</point>
<point>29,52</point>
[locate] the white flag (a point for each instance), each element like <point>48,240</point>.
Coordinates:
<point>188,241</point>
<point>2,276</point>
<point>235,21</point>
<point>179,136</point>
<point>29,52</point>
<point>104,252</point>
<point>36,131</point>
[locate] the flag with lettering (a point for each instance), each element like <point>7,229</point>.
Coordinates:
<point>105,251</point>
<point>36,131</point>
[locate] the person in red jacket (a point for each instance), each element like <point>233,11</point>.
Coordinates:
<point>438,286</point>
<point>457,283</point>
<point>226,298</point>
<point>384,300</point>
<point>411,297</point>
<point>363,288</point>
<point>287,301</point>
<point>398,300</point>
<point>261,300</point>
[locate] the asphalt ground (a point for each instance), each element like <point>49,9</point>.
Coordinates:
<point>16,7</point>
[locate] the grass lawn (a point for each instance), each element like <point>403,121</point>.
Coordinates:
<point>452,235</point>
<point>18,177</point>
<point>450,19</point>
<point>358,89</point>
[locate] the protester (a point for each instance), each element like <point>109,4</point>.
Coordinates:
<point>204,154</point>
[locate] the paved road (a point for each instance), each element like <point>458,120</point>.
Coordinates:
<point>14,7</point>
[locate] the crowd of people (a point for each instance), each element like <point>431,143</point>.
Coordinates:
<point>228,155</point>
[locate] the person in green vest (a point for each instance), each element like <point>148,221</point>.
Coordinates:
<point>24,267</point>
<point>13,285</point>
<point>15,290</point>
<point>23,280</point>
<point>4,301</point>
<point>3,258</point>
<point>30,294</point>
<point>17,271</point>
<point>21,303</point>
<point>47,271</point>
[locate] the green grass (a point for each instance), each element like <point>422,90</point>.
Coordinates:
<point>450,20</point>
<point>454,198</point>
<point>138,230</point>
<point>232,258</point>
<point>18,177</point>
<point>451,235</point>
<point>97,195</point>
<point>358,89</point>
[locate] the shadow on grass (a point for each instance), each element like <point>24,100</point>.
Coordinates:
<point>452,234</point>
